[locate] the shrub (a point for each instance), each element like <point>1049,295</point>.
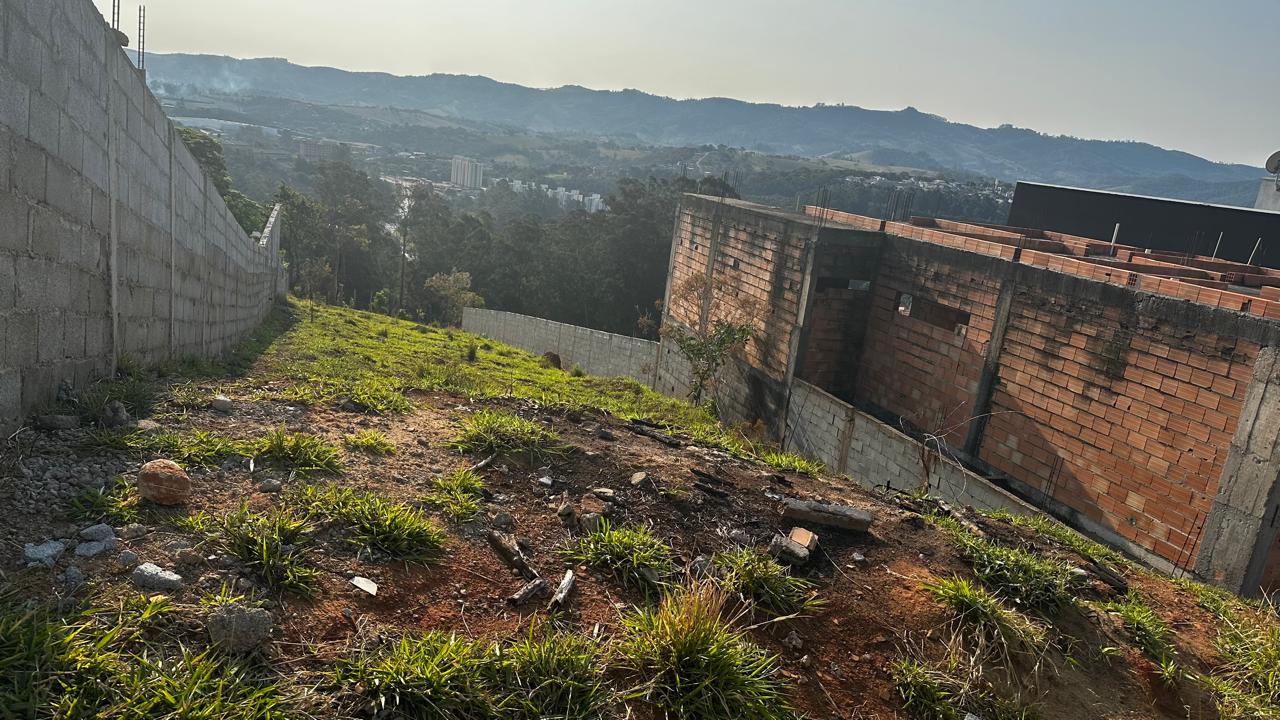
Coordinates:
<point>762,581</point>
<point>633,555</point>
<point>491,431</point>
<point>692,665</point>
<point>393,530</point>
<point>459,495</point>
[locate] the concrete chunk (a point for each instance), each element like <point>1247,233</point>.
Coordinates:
<point>837,516</point>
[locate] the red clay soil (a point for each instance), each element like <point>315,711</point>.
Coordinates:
<point>875,607</point>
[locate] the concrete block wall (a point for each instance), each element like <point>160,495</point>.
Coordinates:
<point>596,352</point>
<point>875,455</point>
<point>112,241</point>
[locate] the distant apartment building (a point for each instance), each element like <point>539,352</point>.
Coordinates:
<point>321,151</point>
<point>466,173</point>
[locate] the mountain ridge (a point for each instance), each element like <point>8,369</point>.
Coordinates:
<point>1005,152</point>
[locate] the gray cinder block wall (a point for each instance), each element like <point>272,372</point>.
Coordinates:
<point>112,241</point>
<point>818,425</point>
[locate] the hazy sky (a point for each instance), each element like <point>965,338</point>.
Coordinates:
<point>1196,75</point>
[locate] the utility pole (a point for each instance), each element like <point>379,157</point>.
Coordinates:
<point>404,246</point>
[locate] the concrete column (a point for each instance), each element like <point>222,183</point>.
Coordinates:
<point>990,370</point>
<point>1241,528</point>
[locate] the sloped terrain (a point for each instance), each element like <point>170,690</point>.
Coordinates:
<point>341,449</point>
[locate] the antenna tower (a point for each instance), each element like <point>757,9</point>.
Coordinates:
<point>142,37</point>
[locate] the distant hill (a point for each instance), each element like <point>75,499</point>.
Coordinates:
<point>1006,152</point>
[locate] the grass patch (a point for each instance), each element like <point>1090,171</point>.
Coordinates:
<point>303,452</point>
<point>1148,630</point>
<point>766,584</point>
<point>988,616</point>
<point>391,530</point>
<point>439,675</point>
<point>633,555</point>
<point>331,349</point>
<point>378,396</point>
<point>1020,577</point>
<point>1246,684</point>
<point>1064,536</point>
<point>115,504</point>
<point>692,665</point>
<point>371,442</point>
<point>951,690</point>
<point>137,394</point>
<point>435,675</point>
<point>272,545</point>
<point>555,675</point>
<point>493,431</point>
<point>790,462</point>
<point>459,495</point>
<point>97,665</point>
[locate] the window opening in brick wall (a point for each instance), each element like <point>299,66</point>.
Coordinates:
<point>936,314</point>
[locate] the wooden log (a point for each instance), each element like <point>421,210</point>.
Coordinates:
<point>562,592</point>
<point>532,589</point>
<point>506,548</point>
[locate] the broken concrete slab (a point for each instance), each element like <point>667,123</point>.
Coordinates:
<point>837,516</point>
<point>785,550</point>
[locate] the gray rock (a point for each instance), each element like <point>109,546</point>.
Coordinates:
<point>221,403</point>
<point>239,629</point>
<point>503,521</point>
<point>148,426</point>
<point>638,478</point>
<point>73,576</point>
<point>43,554</point>
<point>133,531</point>
<point>788,551</point>
<point>793,641</point>
<point>127,559</point>
<point>604,493</point>
<point>590,522</point>
<point>839,516</point>
<point>94,548</point>
<point>270,485</point>
<point>150,576</point>
<point>58,422</point>
<point>98,532</point>
<point>114,415</point>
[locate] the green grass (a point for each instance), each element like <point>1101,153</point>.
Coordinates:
<point>552,675</point>
<point>761,581</point>
<point>303,452</point>
<point>438,675</point>
<point>372,442</point>
<point>98,664</point>
<point>330,350</point>
<point>986,614</point>
<point>435,675</point>
<point>115,504</point>
<point>459,495</point>
<point>1148,630</point>
<point>273,545</point>
<point>1064,536</point>
<point>1020,577</point>
<point>633,555</point>
<point>790,462</point>
<point>1246,683</point>
<point>494,431</point>
<point>691,664</point>
<point>374,525</point>
<point>951,690</point>
<point>138,394</point>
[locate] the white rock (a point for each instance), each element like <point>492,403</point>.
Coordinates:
<point>133,531</point>
<point>150,576</point>
<point>221,403</point>
<point>365,584</point>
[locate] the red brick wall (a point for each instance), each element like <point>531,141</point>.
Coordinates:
<point>926,374</point>
<point>1126,420</point>
<point>759,271</point>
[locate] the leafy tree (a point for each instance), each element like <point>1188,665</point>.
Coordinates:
<point>251,215</point>
<point>447,294</point>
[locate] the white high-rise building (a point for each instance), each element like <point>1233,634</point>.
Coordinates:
<point>466,173</point>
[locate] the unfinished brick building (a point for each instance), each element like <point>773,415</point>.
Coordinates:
<point>1135,395</point>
